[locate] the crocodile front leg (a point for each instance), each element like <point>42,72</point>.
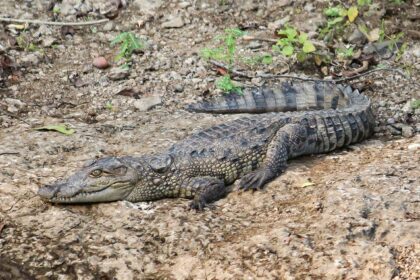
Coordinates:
<point>288,141</point>
<point>206,189</point>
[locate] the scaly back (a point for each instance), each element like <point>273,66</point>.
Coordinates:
<point>279,97</point>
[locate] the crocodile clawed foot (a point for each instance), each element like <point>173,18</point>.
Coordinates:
<point>255,180</point>
<point>197,204</point>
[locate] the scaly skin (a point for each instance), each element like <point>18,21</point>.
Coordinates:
<point>254,148</point>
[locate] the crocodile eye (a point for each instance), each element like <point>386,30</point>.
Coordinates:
<point>96,173</point>
<point>120,170</point>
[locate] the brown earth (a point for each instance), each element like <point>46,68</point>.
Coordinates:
<point>357,218</point>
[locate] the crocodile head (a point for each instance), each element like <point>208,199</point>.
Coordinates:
<point>106,179</point>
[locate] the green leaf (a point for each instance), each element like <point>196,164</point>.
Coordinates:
<point>59,128</point>
<point>289,32</point>
<point>287,50</point>
<point>352,13</point>
<point>332,11</point>
<point>308,47</point>
<point>364,2</point>
<point>303,37</point>
<point>226,85</point>
<point>267,59</point>
<point>301,56</point>
<point>334,21</point>
<point>415,104</point>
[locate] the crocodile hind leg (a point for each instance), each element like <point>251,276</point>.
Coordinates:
<point>205,190</point>
<point>289,140</point>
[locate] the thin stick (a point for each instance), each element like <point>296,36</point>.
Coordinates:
<point>9,153</point>
<point>235,72</point>
<point>268,76</point>
<point>59,23</point>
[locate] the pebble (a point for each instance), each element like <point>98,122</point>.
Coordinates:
<point>118,73</point>
<point>100,62</point>
<point>14,105</point>
<point>175,22</point>
<point>109,26</point>
<point>393,130</point>
<point>31,59</point>
<point>148,102</point>
<point>414,146</point>
<point>147,6</point>
<point>278,23</point>
<point>407,131</point>
<point>48,41</point>
<point>390,121</point>
<point>179,88</point>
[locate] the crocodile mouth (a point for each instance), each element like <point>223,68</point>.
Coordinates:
<point>113,192</point>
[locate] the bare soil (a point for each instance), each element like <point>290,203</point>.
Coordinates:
<point>359,219</point>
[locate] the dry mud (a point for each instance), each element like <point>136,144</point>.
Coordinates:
<point>358,218</point>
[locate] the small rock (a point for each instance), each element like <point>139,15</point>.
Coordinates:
<point>184,5</point>
<point>309,7</point>
<point>408,108</point>
<point>390,121</point>
<point>356,37</point>
<point>147,6</point>
<point>30,59</point>
<point>118,73</point>
<point>109,26</point>
<point>179,88</point>
<point>393,130</point>
<point>100,62</point>
<point>382,103</point>
<point>42,30</point>
<point>175,22</point>
<point>66,9</point>
<point>278,23</point>
<point>48,41</point>
<point>416,52</point>
<point>254,45</point>
<point>190,61</point>
<point>414,146</point>
<point>378,47</point>
<point>146,103</point>
<point>14,105</point>
<point>407,131</point>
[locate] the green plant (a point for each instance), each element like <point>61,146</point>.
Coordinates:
<point>338,18</point>
<point>345,53</point>
<point>263,59</point>
<point>226,84</point>
<point>24,43</point>
<point>397,2</point>
<point>129,43</point>
<point>109,106</point>
<point>294,42</point>
<point>56,10</point>
<point>415,104</point>
<point>364,2</point>
<point>225,52</point>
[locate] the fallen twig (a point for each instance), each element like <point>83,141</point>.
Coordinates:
<point>235,72</point>
<point>269,76</point>
<point>9,153</point>
<point>59,23</point>
<point>252,38</point>
<point>361,69</point>
<point>273,76</point>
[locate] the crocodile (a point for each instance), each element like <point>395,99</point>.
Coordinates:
<point>277,122</point>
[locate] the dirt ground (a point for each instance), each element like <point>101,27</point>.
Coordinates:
<point>359,219</point>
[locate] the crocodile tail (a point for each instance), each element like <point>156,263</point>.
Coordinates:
<point>281,97</point>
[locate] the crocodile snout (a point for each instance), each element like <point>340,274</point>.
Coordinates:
<point>48,191</point>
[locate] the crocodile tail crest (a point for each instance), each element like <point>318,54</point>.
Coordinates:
<point>280,97</point>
